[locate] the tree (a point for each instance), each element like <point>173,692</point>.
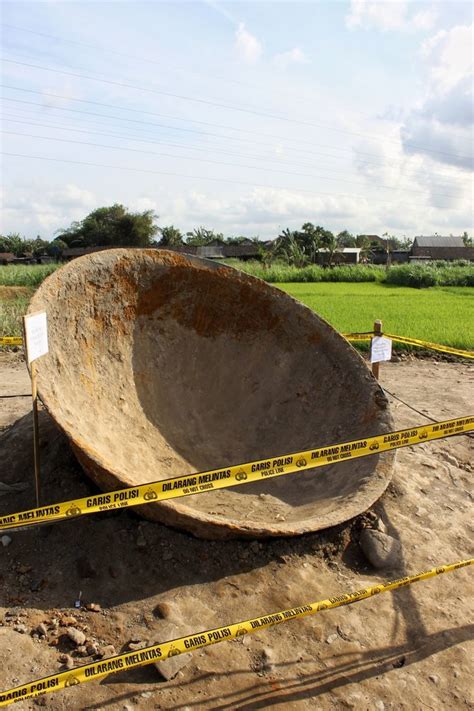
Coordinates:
<point>38,246</point>
<point>363,242</point>
<point>13,242</point>
<point>288,248</point>
<point>56,248</point>
<point>466,239</point>
<point>345,239</point>
<point>328,242</point>
<point>241,240</point>
<point>308,239</point>
<point>201,236</point>
<point>112,226</point>
<point>170,236</point>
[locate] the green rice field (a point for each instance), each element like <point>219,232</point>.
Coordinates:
<point>440,314</point>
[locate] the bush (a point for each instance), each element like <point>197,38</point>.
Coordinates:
<point>424,275</point>
<point>353,273</point>
<point>279,272</point>
<point>415,275</point>
<point>456,276</point>
<point>420,276</point>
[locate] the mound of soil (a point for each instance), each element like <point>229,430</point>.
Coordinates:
<point>408,650</point>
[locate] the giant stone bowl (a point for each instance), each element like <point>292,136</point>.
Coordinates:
<point>163,364</point>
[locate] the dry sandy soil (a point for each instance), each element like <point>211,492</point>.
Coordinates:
<point>406,650</point>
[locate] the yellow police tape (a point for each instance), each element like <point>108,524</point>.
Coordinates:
<point>367,336</point>
<point>431,346</point>
<point>11,341</point>
<point>410,342</point>
<point>358,336</point>
<point>161,652</point>
<point>260,470</point>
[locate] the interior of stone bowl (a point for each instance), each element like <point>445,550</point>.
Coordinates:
<point>163,364</point>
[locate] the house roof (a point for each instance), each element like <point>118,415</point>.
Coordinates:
<point>439,241</point>
<point>345,250</point>
<point>245,249</point>
<point>79,251</point>
<point>211,251</point>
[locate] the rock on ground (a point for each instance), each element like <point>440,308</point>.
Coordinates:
<point>171,666</point>
<point>380,549</point>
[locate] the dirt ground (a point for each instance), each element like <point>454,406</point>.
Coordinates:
<point>405,650</point>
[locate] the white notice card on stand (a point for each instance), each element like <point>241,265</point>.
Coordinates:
<point>36,334</point>
<point>381,349</point>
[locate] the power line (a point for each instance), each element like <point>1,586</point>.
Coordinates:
<point>203,123</point>
<point>187,130</point>
<point>172,128</point>
<point>147,60</point>
<point>143,139</point>
<point>121,54</point>
<point>198,177</point>
<point>221,105</point>
<point>147,140</point>
<point>178,118</point>
<point>214,162</point>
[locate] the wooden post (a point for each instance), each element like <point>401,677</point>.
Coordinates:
<point>33,350</point>
<point>36,450</point>
<point>377,332</point>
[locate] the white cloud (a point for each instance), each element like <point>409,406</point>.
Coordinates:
<point>428,45</point>
<point>248,47</point>
<point>425,19</point>
<point>444,119</point>
<point>265,211</point>
<point>451,54</point>
<point>367,14</point>
<point>72,196</point>
<point>56,209</point>
<point>143,203</point>
<point>386,16</point>
<point>292,56</point>
<point>221,9</point>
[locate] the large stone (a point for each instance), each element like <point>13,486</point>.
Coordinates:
<point>171,666</point>
<point>162,364</point>
<point>380,549</point>
<point>76,636</point>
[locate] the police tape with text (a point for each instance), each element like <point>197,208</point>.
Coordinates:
<point>367,336</point>
<point>160,652</point>
<point>11,341</point>
<point>362,336</point>
<point>202,482</point>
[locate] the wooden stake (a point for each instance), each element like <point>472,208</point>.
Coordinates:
<point>34,397</point>
<point>377,332</point>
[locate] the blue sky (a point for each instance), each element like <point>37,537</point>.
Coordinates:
<point>245,117</point>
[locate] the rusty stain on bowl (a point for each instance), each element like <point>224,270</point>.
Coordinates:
<point>164,364</point>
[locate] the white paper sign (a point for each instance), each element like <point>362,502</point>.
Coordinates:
<point>381,349</point>
<point>36,333</point>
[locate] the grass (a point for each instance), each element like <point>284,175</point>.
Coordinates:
<point>13,304</point>
<point>30,275</point>
<point>17,284</point>
<point>441,314</point>
<point>415,275</point>
<point>279,272</point>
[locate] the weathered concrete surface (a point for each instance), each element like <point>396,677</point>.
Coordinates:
<point>162,365</point>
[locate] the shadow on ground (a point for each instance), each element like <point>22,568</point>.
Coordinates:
<point>115,557</point>
<point>356,669</point>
